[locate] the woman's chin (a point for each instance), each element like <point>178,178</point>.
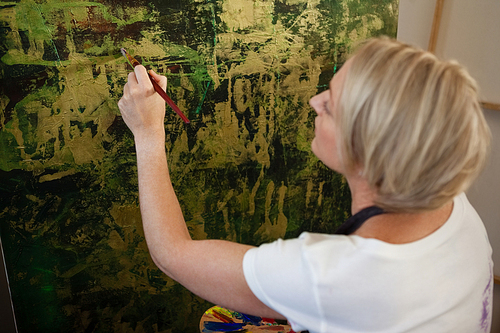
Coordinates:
<point>313,147</point>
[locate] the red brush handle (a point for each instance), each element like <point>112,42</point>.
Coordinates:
<point>167,99</point>
<point>157,87</point>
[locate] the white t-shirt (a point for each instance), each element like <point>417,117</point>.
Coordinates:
<point>336,283</point>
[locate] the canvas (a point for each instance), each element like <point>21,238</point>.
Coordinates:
<point>242,71</point>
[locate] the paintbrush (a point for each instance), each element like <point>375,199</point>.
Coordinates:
<point>133,62</point>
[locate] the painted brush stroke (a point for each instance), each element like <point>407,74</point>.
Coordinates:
<point>243,71</point>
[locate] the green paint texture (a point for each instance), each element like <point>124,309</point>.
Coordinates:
<point>243,72</point>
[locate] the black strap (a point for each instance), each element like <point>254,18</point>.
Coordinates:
<point>354,222</point>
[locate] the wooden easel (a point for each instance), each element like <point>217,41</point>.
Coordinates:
<point>438,11</point>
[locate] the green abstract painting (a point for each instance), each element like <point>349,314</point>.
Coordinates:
<point>243,72</point>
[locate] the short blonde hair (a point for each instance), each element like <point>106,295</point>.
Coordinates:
<point>413,123</point>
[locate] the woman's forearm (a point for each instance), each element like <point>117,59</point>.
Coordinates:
<point>163,222</point>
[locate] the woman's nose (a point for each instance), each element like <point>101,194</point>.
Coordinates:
<point>317,101</point>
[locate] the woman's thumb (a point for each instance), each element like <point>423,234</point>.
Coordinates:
<point>160,79</point>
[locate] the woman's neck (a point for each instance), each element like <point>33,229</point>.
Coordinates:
<point>361,193</point>
<point>396,228</point>
<point>401,228</point>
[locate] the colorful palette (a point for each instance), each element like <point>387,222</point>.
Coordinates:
<point>219,319</point>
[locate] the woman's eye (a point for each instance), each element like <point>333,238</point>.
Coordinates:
<point>325,107</point>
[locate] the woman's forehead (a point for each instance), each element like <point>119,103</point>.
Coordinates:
<point>338,79</point>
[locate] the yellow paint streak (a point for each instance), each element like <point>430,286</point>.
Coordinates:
<point>126,216</point>
<point>309,191</point>
<point>116,242</point>
<point>320,195</point>
<point>242,14</point>
<point>272,230</point>
<point>251,201</point>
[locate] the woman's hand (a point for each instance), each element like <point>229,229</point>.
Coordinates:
<point>142,109</point>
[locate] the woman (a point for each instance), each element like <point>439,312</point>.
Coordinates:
<point>407,132</point>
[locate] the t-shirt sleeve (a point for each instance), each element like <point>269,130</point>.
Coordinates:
<point>278,275</point>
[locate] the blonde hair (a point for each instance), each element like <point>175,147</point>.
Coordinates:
<point>413,123</point>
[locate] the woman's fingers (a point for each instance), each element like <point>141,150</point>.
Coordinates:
<point>132,79</point>
<point>142,77</point>
<point>142,108</point>
<point>160,79</point>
